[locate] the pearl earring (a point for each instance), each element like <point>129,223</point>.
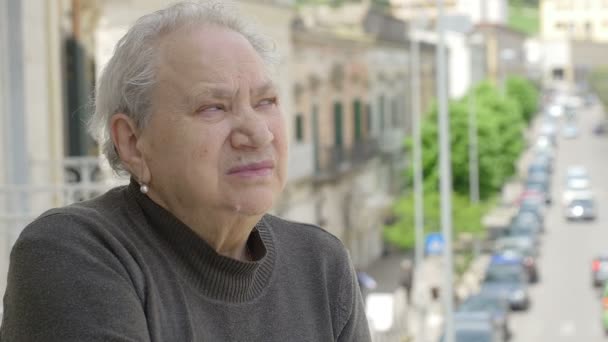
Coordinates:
<point>144,189</point>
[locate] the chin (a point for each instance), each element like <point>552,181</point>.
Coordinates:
<point>252,203</point>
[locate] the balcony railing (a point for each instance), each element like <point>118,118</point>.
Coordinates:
<point>335,160</point>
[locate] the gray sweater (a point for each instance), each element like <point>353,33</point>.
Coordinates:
<point>121,268</point>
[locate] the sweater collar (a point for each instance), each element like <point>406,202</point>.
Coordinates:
<point>214,275</point>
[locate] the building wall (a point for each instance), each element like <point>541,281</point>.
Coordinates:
<point>505,52</point>
<point>4,88</point>
<point>574,19</point>
<point>328,68</point>
<point>35,101</point>
<point>556,56</point>
<point>43,84</point>
<point>487,11</point>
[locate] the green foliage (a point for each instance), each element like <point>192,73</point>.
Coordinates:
<point>466,218</point>
<point>524,16</point>
<point>522,91</point>
<point>598,81</point>
<point>500,126</point>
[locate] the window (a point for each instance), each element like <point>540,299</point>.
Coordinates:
<point>588,29</point>
<point>395,110</point>
<point>558,74</point>
<point>299,129</point>
<point>368,118</point>
<point>381,112</point>
<point>357,120</point>
<point>338,137</point>
<point>315,135</point>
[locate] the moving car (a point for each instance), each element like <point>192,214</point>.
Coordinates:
<point>507,279</point>
<point>577,183</point>
<point>577,172</point>
<point>580,206</point>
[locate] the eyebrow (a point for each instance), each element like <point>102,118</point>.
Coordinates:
<point>265,88</point>
<point>224,93</point>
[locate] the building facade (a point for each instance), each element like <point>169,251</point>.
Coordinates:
<point>574,20</point>
<point>350,86</point>
<point>477,11</point>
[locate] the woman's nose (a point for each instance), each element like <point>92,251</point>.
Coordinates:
<point>252,132</point>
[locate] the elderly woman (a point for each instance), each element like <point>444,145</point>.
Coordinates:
<point>188,108</point>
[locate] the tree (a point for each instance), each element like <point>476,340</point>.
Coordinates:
<point>500,141</point>
<point>500,124</point>
<point>522,91</point>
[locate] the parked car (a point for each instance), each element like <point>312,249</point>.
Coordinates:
<point>599,270</point>
<point>529,218</point>
<point>477,327</point>
<point>540,182</point>
<point>524,229</point>
<point>540,164</point>
<point>517,242</point>
<point>581,206</point>
<point>526,257</point>
<point>497,308</point>
<point>507,279</point>
<point>530,210</point>
<point>532,200</point>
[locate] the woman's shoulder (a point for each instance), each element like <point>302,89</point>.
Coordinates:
<point>302,229</point>
<point>300,235</point>
<point>93,216</point>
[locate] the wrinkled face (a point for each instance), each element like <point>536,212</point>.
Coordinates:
<point>216,140</point>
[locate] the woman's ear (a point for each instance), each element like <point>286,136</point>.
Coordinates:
<point>125,137</point>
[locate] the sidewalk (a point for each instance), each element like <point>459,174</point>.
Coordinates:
<point>386,271</point>
<point>420,320</point>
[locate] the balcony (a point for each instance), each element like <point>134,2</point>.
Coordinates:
<point>392,140</point>
<point>335,160</point>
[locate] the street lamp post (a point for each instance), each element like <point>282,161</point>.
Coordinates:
<point>417,135</point>
<point>475,41</point>
<point>506,56</point>
<point>418,174</point>
<point>445,177</point>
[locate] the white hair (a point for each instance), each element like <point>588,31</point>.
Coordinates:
<point>127,80</point>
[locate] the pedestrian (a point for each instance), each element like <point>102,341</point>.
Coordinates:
<point>407,277</point>
<point>186,107</point>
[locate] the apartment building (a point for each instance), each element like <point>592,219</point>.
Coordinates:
<point>574,20</point>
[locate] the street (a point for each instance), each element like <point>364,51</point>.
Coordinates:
<point>565,307</point>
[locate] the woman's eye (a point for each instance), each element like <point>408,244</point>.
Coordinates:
<point>268,102</point>
<point>211,109</point>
